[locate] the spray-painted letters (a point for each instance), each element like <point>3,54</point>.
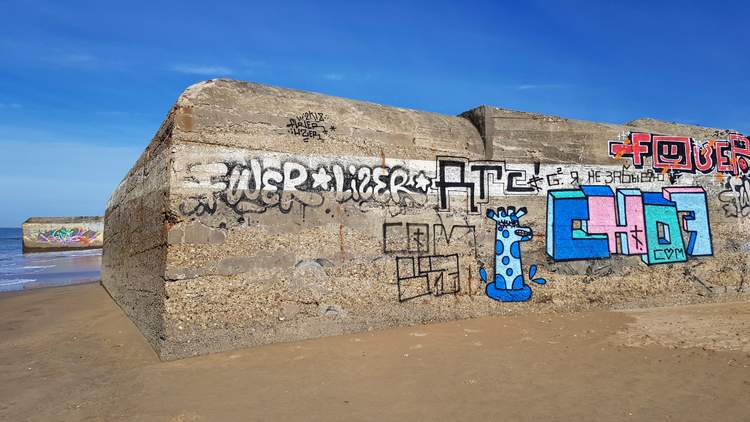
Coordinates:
<point>736,196</point>
<point>586,223</point>
<point>681,154</point>
<point>309,125</point>
<point>479,180</point>
<point>252,187</point>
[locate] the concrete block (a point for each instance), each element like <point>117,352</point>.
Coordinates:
<point>48,234</point>
<point>260,215</point>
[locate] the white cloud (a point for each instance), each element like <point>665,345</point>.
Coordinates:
<point>111,113</point>
<point>252,63</point>
<point>85,61</point>
<point>202,70</point>
<point>73,60</point>
<point>78,58</point>
<point>334,76</point>
<point>525,87</point>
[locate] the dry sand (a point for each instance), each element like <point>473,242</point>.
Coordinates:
<point>69,354</point>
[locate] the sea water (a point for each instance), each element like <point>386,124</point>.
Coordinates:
<point>19,271</point>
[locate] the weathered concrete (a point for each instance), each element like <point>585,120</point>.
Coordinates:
<point>261,215</point>
<point>48,234</point>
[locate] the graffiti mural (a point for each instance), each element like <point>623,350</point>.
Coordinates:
<point>251,186</point>
<point>593,223</point>
<point>67,236</point>
<point>479,180</point>
<point>509,284</point>
<point>593,212</point>
<point>256,182</point>
<point>681,154</point>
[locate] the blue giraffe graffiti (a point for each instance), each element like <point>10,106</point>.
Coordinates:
<point>509,284</point>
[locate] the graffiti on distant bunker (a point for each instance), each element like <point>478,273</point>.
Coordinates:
<point>67,236</point>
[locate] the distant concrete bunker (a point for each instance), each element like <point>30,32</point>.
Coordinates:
<point>47,234</point>
<point>259,215</point>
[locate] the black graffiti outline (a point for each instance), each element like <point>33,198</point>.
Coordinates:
<point>421,268</point>
<point>409,229</point>
<point>308,125</point>
<point>346,182</point>
<point>443,186</point>
<point>736,196</point>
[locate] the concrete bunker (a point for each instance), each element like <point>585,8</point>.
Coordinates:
<point>49,234</point>
<point>260,215</point>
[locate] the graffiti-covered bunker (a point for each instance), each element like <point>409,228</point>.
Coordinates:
<point>260,215</point>
<point>48,234</point>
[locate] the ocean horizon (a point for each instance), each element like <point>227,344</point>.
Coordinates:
<point>19,271</point>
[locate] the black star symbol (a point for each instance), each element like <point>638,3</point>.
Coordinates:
<point>333,128</point>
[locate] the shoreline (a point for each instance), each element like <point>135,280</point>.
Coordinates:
<point>30,286</point>
<point>19,271</point>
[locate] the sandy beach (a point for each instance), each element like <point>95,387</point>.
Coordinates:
<point>69,354</point>
<point>374,211</point>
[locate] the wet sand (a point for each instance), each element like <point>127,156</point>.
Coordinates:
<point>69,354</point>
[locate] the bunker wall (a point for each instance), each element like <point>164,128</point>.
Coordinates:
<point>48,234</point>
<point>136,221</point>
<point>277,215</point>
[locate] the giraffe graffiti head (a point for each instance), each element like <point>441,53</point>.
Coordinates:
<point>508,226</point>
<point>509,283</point>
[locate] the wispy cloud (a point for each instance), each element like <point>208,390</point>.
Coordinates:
<point>76,60</point>
<point>119,113</point>
<point>111,113</point>
<point>14,106</point>
<point>252,63</point>
<point>202,70</point>
<point>83,60</point>
<point>333,76</point>
<point>526,87</point>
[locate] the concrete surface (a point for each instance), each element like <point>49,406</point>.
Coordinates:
<point>261,215</point>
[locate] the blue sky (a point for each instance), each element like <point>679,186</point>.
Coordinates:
<point>85,85</point>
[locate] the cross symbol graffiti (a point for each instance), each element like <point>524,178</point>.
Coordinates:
<point>418,234</point>
<point>636,232</point>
